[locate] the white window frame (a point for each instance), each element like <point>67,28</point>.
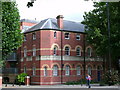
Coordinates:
<point>78,53</point>
<point>45,71</point>
<point>34,51</point>
<point>34,71</point>
<point>24,69</point>
<point>78,70</point>
<point>67,51</point>
<point>89,70</point>
<point>77,36</point>
<point>25,52</point>
<point>34,36</point>
<point>89,53</point>
<point>55,50</point>
<point>67,70</point>
<point>55,70</point>
<point>67,35</point>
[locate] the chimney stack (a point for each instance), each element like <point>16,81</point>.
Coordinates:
<point>60,21</point>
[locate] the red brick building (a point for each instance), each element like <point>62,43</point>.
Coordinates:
<point>54,52</point>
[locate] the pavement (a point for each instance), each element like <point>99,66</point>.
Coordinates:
<point>59,86</point>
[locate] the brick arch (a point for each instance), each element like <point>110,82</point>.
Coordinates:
<point>87,48</point>
<point>101,67</point>
<point>45,65</point>
<point>55,44</point>
<point>79,47</point>
<point>67,45</point>
<point>55,64</point>
<point>89,65</point>
<point>67,64</point>
<point>79,64</point>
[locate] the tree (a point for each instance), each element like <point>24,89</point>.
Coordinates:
<point>95,23</point>
<point>30,4</point>
<point>11,33</point>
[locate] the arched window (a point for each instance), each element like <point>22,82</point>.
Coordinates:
<point>67,51</point>
<point>25,52</point>
<point>55,70</point>
<point>89,52</point>
<point>67,70</point>
<point>78,51</point>
<point>45,71</point>
<point>55,50</point>
<point>34,51</point>
<point>89,70</point>
<point>78,70</point>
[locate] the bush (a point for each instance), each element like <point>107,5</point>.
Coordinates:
<point>20,79</point>
<point>111,77</point>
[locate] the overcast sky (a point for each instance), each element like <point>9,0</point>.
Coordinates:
<point>72,10</point>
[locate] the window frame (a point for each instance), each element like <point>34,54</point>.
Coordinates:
<point>67,51</point>
<point>67,35</point>
<point>45,71</point>
<point>78,53</point>
<point>78,36</point>
<point>78,70</point>
<point>55,34</point>
<point>89,53</point>
<point>25,52</point>
<point>34,71</point>
<point>33,36</point>
<point>67,70</point>
<point>55,70</point>
<point>89,70</point>
<point>34,51</point>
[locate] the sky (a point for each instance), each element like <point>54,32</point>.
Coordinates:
<point>72,10</point>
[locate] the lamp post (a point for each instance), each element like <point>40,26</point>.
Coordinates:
<point>108,21</point>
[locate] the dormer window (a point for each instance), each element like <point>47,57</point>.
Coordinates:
<point>67,36</point>
<point>34,36</point>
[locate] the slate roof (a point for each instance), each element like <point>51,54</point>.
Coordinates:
<point>51,24</point>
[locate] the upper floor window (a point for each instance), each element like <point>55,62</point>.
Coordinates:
<point>55,34</point>
<point>55,70</point>
<point>25,38</point>
<point>55,50</point>
<point>77,37</point>
<point>67,36</point>
<point>34,51</point>
<point>78,51</point>
<point>34,36</point>
<point>89,51</point>
<point>67,70</point>
<point>25,52</point>
<point>78,70</point>
<point>67,51</point>
<point>45,71</point>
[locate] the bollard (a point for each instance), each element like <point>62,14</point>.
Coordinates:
<point>27,80</point>
<point>0,81</point>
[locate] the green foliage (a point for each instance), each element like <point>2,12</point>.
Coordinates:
<point>111,78</point>
<point>21,78</point>
<point>11,33</point>
<point>96,26</point>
